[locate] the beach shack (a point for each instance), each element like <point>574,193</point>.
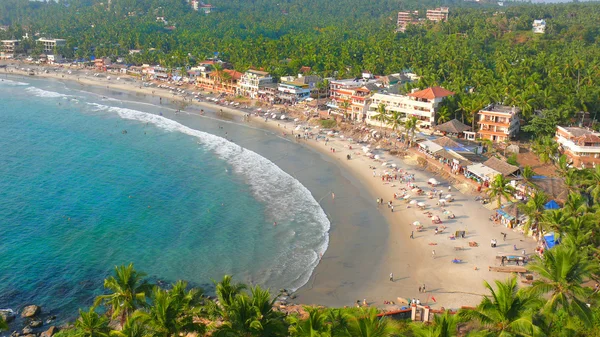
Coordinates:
<point>429,148</point>
<point>480,173</point>
<point>509,215</point>
<point>453,128</point>
<point>504,168</point>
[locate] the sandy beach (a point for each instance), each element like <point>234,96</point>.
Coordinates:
<point>343,275</point>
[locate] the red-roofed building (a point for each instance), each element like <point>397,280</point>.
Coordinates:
<point>431,94</point>
<point>581,146</point>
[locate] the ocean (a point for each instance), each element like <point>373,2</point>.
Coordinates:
<point>92,179</point>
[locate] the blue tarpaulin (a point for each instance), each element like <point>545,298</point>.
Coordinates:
<point>551,205</point>
<point>550,241</point>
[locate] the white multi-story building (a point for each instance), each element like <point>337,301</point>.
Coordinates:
<point>422,104</point>
<point>581,146</point>
<point>539,26</point>
<point>8,48</point>
<point>438,14</point>
<point>50,44</point>
<point>252,80</point>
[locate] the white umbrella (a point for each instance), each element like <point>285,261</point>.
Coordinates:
<point>407,196</point>
<point>394,165</point>
<point>449,196</point>
<point>435,217</point>
<point>259,109</point>
<point>433,181</point>
<point>377,156</point>
<point>416,223</point>
<point>296,119</point>
<point>384,164</point>
<point>412,202</point>
<point>282,117</point>
<point>416,189</point>
<point>421,204</point>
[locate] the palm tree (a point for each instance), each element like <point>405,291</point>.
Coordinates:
<point>314,326</point>
<point>133,327</point>
<point>554,219</point>
<point>562,165</point>
<point>534,209</point>
<point>369,325</point>
<point>90,324</point>
<point>226,290</point>
<point>410,125</point>
<point>442,326</point>
<point>508,312</point>
<point>443,115</point>
<point>128,292</point>
<point>562,270</point>
<point>382,115</point>
<point>346,105</point>
<point>527,175</point>
<point>593,184</point>
<point>499,188</point>
<point>545,148</point>
<point>170,313</point>
<point>576,205</point>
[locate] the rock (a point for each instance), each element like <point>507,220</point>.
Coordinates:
<point>26,330</point>
<point>36,323</point>
<point>29,335</point>
<point>7,314</point>
<point>30,311</point>
<point>48,333</point>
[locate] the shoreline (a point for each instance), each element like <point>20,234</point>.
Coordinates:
<point>410,260</point>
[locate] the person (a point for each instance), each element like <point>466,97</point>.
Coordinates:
<point>433,253</point>
<point>436,230</point>
<point>504,235</point>
<point>365,302</point>
<point>392,277</point>
<point>412,234</point>
<point>358,303</point>
<point>392,208</point>
<point>420,289</point>
<point>423,287</point>
<point>524,252</point>
<point>418,301</point>
<point>515,247</point>
<point>449,188</point>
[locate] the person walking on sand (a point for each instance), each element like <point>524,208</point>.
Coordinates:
<point>449,189</point>
<point>423,287</point>
<point>420,289</point>
<point>392,277</point>
<point>504,236</point>
<point>412,234</point>
<point>433,253</point>
<point>392,208</point>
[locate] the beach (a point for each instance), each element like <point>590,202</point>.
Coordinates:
<point>360,258</point>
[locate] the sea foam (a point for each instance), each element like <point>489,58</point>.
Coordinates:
<point>12,83</point>
<point>285,198</point>
<point>45,93</point>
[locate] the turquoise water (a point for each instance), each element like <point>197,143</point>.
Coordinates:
<point>87,183</point>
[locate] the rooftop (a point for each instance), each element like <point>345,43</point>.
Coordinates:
<point>453,126</point>
<point>432,93</point>
<point>501,109</point>
<point>258,72</point>
<point>503,167</point>
<point>578,132</point>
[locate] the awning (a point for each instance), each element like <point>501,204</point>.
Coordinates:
<point>482,171</point>
<point>430,146</point>
<point>505,215</point>
<point>550,240</point>
<point>551,205</point>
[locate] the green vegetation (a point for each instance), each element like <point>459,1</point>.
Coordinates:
<point>327,123</point>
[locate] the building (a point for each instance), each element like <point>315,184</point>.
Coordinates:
<point>539,26</point>
<point>295,89</point>
<point>51,44</point>
<point>498,123</point>
<point>9,48</point>
<point>422,104</point>
<point>438,14</point>
<point>580,145</point>
<point>252,81</point>
<point>354,91</point>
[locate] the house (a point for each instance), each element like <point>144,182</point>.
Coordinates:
<point>498,123</point>
<point>580,145</point>
<point>252,81</point>
<point>502,167</point>
<point>295,89</point>
<point>51,44</point>
<point>406,18</point>
<point>438,14</point>
<point>539,26</point>
<point>9,48</point>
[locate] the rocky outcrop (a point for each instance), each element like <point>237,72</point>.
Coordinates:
<point>7,315</point>
<point>30,311</point>
<point>36,323</point>
<point>27,330</point>
<point>50,332</point>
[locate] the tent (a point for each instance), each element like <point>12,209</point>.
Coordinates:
<point>549,239</point>
<point>551,205</point>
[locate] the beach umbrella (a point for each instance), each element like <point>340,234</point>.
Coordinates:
<point>433,181</point>
<point>449,196</point>
<point>259,109</point>
<point>435,217</point>
<point>377,156</point>
<point>394,165</point>
<point>421,204</point>
<point>416,223</point>
<point>296,119</point>
<point>416,189</point>
<point>413,202</point>
<point>407,197</point>
<point>384,164</point>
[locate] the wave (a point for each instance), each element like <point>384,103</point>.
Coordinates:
<point>12,83</point>
<point>44,93</point>
<point>285,198</point>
